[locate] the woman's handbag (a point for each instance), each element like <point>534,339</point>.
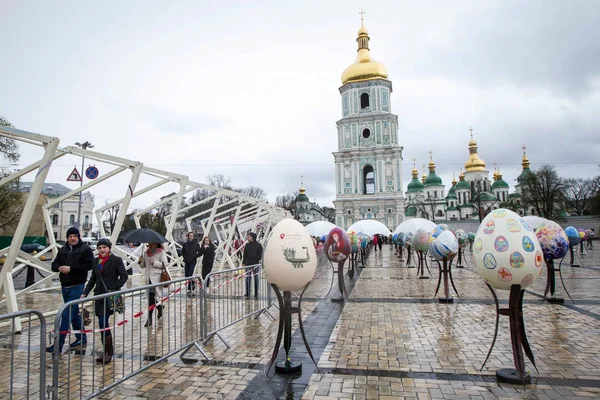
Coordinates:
<point>115,303</point>
<point>165,277</point>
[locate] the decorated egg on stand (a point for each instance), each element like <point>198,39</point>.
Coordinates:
<point>553,239</point>
<point>420,240</point>
<point>289,259</point>
<point>354,241</point>
<point>572,235</point>
<point>461,236</point>
<point>337,245</point>
<point>582,233</point>
<point>471,236</point>
<point>505,252</point>
<point>444,246</point>
<point>400,238</point>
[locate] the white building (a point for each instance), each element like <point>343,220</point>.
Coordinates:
<point>307,211</point>
<point>64,214</point>
<point>368,163</point>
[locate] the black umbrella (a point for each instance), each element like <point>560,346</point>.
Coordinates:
<point>143,235</point>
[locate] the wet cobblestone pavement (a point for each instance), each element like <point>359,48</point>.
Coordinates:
<point>392,340</point>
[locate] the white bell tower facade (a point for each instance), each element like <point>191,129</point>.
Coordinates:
<point>368,163</point>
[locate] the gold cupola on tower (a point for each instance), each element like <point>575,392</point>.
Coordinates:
<point>364,66</point>
<point>475,163</point>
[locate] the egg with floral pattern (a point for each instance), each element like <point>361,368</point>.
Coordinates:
<point>506,253</point>
<point>462,238</point>
<point>553,239</point>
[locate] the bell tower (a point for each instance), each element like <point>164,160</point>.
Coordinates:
<point>368,161</point>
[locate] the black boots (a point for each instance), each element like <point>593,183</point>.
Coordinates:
<point>109,351</point>
<point>159,313</point>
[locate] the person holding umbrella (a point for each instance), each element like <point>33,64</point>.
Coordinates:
<point>154,261</point>
<point>108,275</point>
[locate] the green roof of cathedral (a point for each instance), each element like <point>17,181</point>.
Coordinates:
<point>462,184</point>
<point>433,179</point>
<point>500,184</point>
<point>415,185</point>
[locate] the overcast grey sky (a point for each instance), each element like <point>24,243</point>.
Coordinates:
<point>250,89</point>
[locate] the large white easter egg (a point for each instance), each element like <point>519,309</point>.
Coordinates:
<point>507,252</point>
<point>289,259</point>
<point>445,245</point>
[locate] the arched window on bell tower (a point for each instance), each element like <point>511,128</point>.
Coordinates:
<point>368,180</point>
<point>364,101</point>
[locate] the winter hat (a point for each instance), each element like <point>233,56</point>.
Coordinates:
<point>104,242</point>
<point>73,231</point>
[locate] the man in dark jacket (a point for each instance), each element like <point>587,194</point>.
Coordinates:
<point>190,253</point>
<point>252,255</point>
<point>73,262</point>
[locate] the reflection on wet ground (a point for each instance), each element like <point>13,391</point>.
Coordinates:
<point>393,340</point>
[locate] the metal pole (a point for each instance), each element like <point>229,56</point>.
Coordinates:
<point>80,193</point>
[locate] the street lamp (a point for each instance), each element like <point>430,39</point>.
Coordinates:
<point>85,145</point>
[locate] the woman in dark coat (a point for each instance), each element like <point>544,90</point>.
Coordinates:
<point>207,250</point>
<point>108,275</point>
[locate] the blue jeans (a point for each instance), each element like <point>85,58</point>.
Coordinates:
<point>103,322</point>
<point>249,280</point>
<point>71,293</point>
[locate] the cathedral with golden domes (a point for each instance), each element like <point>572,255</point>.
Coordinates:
<point>368,161</point>
<point>472,196</point>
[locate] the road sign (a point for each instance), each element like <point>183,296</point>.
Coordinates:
<point>74,176</point>
<point>92,172</point>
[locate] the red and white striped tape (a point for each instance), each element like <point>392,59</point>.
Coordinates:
<point>123,321</point>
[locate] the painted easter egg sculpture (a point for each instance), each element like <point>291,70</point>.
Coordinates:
<point>572,235</point>
<point>289,259</point>
<point>553,239</point>
<point>353,237</point>
<point>420,240</point>
<point>444,246</point>
<point>505,252</point>
<point>337,245</point>
<point>461,236</point>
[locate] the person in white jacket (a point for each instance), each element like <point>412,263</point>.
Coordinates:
<point>154,259</point>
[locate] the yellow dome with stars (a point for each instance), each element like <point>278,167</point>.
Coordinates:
<point>364,66</point>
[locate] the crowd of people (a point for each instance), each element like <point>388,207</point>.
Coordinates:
<point>107,273</point>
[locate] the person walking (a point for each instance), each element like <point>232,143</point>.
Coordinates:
<point>252,255</point>
<point>375,242</point>
<point>73,262</point>
<point>154,261</point>
<point>207,251</point>
<point>380,242</point>
<point>108,275</point>
<point>190,253</point>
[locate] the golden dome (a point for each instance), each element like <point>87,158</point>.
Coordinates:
<point>364,66</point>
<point>475,163</point>
<point>424,176</point>
<point>525,162</point>
<point>454,179</point>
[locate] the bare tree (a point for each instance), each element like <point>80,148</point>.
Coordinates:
<point>253,191</point>
<point>109,218</point>
<point>288,202</point>
<point>543,190</point>
<point>482,200</point>
<point>579,194</point>
<point>11,200</point>
<point>220,181</point>
<point>425,206</point>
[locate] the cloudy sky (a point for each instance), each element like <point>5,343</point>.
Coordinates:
<point>250,89</point>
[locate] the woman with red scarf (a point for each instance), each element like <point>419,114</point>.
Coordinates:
<point>108,275</point>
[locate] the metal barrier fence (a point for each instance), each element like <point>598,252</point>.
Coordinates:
<point>175,325</point>
<point>186,321</point>
<point>233,295</point>
<point>26,378</point>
